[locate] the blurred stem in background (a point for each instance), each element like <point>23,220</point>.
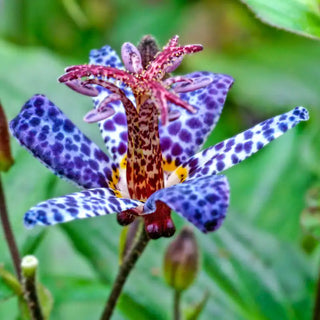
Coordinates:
<point>125,269</point>
<point>6,162</point>
<point>76,13</point>
<point>176,311</point>
<point>8,233</point>
<point>316,310</point>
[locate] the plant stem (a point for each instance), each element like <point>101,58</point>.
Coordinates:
<point>176,305</point>
<point>29,267</point>
<point>316,310</point>
<point>8,233</point>
<point>124,271</point>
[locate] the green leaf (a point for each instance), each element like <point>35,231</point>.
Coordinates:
<point>193,312</point>
<point>298,16</point>
<point>10,281</point>
<point>46,300</point>
<point>273,75</point>
<point>253,266</point>
<point>246,266</point>
<point>9,285</point>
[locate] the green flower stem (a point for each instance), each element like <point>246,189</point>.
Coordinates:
<point>316,310</point>
<point>9,234</point>
<point>124,271</point>
<point>29,266</point>
<point>176,305</point>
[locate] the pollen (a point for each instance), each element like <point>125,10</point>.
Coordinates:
<point>123,162</point>
<point>114,181</point>
<point>168,166</point>
<point>182,174</point>
<point>117,193</point>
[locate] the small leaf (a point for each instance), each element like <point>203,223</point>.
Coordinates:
<point>10,281</point>
<point>46,300</point>
<point>297,16</point>
<point>193,312</point>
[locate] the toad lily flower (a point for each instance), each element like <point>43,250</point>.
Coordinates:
<point>155,167</point>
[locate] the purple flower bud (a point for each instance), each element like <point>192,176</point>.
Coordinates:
<point>6,160</point>
<point>181,260</point>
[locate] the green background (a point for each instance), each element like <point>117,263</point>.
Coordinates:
<point>259,265</point>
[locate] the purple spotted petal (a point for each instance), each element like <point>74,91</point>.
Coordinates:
<point>204,202</point>
<point>50,136</point>
<point>183,137</point>
<point>79,205</point>
<point>232,151</point>
<point>113,129</point>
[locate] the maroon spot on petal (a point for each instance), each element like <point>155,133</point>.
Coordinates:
<point>220,85</point>
<point>219,146</point>
<point>122,148</point>
<point>174,127</point>
<point>185,135</point>
<point>109,126</point>
<point>124,136</point>
<point>176,149</point>
<point>194,123</point>
<point>165,143</point>
<point>120,118</point>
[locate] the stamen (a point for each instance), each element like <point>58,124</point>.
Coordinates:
<point>96,115</point>
<point>179,102</point>
<point>162,106</point>
<point>170,81</point>
<point>174,115</point>
<point>103,111</point>
<point>131,57</point>
<point>173,42</point>
<point>174,64</point>
<point>82,88</point>
<point>195,84</point>
<point>168,58</point>
<point>98,71</point>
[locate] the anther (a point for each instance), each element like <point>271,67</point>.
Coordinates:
<point>82,88</point>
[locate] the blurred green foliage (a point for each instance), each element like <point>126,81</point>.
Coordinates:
<point>255,266</point>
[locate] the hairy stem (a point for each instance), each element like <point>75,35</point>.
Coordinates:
<point>176,305</point>
<point>124,271</point>
<point>9,234</point>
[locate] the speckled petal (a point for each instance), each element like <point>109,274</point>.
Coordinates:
<point>80,205</point>
<point>183,137</point>
<point>113,129</point>
<point>204,202</point>
<point>232,151</point>
<point>50,136</point>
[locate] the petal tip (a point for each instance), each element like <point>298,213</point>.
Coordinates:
<point>30,220</point>
<point>302,112</point>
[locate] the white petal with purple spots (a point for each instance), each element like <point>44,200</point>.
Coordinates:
<point>80,205</point>
<point>203,202</point>
<point>183,137</point>
<point>45,131</point>
<point>113,129</point>
<point>234,150</point>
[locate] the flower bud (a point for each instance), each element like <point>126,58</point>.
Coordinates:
<point>6,159</point>
<point>181,260</point>
<point>29,266</point>
<point>148,48</point>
